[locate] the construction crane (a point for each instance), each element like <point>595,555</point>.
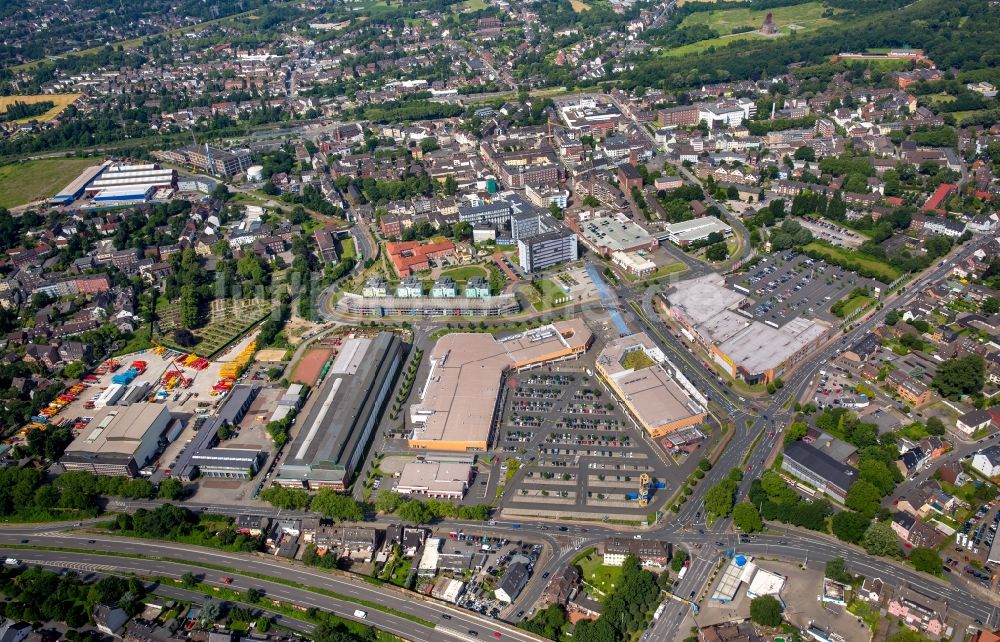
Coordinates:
<point>643,489</point>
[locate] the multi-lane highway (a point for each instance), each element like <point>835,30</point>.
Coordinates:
<point>291,582</point>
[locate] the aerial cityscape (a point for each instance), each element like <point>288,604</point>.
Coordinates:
<point>438,320</point>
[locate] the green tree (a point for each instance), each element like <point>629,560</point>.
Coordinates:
<point>961,376</point>
<point>746,518</point>
<point>766,610</point>
<point>170,488</point>
<point>990,305</point>
<point>864,498</point>
<point>221,192</point>
<point>836,570</point>
<point>926,559</point>
<point>880,539</point>
<point>74,370</point>
<point>189,580</point>
<point>877,474</point>
<point>849,526</point>
<point>415,511</point>
<point>330,503</point>
<point>795,432</point>
<point>388,502</point>
<point>288,498</point>
<point>677,561</point>
<point>717,252</point>
<point>935,426</point>
<point>719,498</point>
<point>190,307</point>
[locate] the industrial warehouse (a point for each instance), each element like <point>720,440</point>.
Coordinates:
<point>119,440</point>
<point>119,184</point>
<point>658,396</point>
<point>338,426</point>
<point>461,397</point>
<point>754,351</point>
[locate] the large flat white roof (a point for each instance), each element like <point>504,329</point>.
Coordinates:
<point>712,310</point>
<point>459,397</point>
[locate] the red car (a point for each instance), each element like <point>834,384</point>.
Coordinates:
<point>227,580</point>
<point>496,634</point>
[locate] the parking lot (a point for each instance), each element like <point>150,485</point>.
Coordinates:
<point>969,553</point>
<point>791,285</point>
<point>833,233</point>
<point>578,455</point>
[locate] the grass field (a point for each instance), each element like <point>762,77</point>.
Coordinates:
<point>551,294</point>
<point>801,18</point>
<point>60,102</point>
<point>347,249</point>
<point>856,304</point>
<point>22,183</point>
<point>939,99</point>
<point>579,6</point>
<point>465,272</point>
<point>601,577</point>
<point>470,5</point>
<point>838,254</point>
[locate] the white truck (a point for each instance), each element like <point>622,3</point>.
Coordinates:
<point>361,614</point>
<point>11,561</point>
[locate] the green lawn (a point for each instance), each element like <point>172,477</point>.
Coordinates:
<point>856,304</point>
<point>637,360</point>
<point>465,272</point>
<point>22,183</point>
<point>801,18</point>
<point>601,577</point>
<point>725,20</point>
<point>939,99</point>
<point>545,294</point>
<point>841,255</point>
<point>347,249</point>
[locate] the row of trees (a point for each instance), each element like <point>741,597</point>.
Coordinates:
<point>428,510</point>
<point>26,493</point>
<point>169,522</point>
<point>326,502</point>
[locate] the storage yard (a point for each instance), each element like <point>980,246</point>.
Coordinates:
<point>186,384</point>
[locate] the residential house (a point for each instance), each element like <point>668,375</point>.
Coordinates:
<point>919,611</point>
<point>987,461</point>
<point>974,421</point>
<point>513,581</point>
<point>12,631</point>
<point>649,552</point>
<point>109,619</point>
<point>562,587</point>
